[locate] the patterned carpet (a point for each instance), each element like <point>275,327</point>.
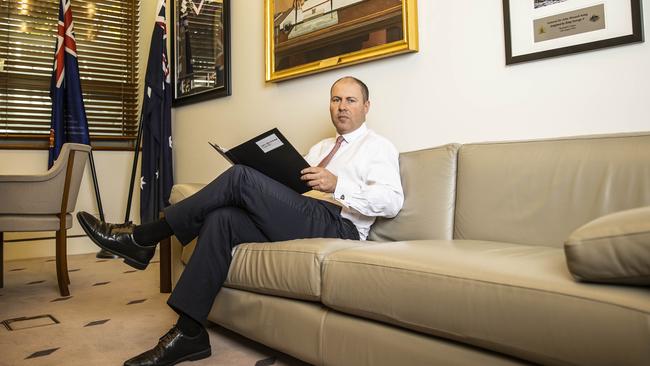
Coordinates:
<point>114,312</point>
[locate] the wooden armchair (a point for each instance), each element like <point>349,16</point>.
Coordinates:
<point>44,202</point>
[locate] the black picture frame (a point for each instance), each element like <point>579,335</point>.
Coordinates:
<point>636,20</point>
<point>196,86</point>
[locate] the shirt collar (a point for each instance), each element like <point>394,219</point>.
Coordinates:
<point>354,135</point>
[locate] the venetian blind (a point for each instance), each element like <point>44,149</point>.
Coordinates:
<point>106,33</point>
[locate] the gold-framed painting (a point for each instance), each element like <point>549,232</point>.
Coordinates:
<point>303,37</point>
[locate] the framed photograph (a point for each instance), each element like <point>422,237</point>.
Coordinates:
<point>537,29</point>
<point>200,50</point>
<point>307,36</point>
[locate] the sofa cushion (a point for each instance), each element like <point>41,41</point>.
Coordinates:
<point>289,268</point>
<point>538,192</point>
<point>614,248</point>
<point>516,299</point>
<point>429,183</point>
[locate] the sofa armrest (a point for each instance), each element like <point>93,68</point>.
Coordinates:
<point>171,251</point>
<point>184,190</point>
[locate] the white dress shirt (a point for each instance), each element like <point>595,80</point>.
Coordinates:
<point>367,168</point>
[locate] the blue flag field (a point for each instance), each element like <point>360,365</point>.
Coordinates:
<point>157,174</point>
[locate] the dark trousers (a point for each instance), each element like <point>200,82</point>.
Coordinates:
<point>241,205</point>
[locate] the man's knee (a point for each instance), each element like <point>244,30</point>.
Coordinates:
<point>242,175</point>
<point>241,170</point>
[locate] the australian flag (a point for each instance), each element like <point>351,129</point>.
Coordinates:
<point>69,122</point>
<point>157,178</point>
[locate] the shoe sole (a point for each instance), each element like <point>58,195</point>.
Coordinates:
<point>194,356</point>
<point>130,261</point>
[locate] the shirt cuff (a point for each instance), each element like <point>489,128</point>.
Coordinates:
<point>343,192</point>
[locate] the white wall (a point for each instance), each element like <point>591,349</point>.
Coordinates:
<point>456,89</point>
<point>113,173</point>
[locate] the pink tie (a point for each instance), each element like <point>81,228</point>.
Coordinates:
<point>326,160</point>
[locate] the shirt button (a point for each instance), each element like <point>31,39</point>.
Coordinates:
<point>342,197</point>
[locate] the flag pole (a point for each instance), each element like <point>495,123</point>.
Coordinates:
<point>102,254</point>
<point>96,186</point>
<point>136,155</point>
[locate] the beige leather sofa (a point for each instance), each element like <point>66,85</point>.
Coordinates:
<point>471,272</point>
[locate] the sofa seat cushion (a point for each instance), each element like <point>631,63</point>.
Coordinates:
<point>289,268</point>
<point>516,299</point>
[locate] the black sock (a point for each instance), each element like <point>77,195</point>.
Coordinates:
<point>188,326</point>
<point>152,233</point>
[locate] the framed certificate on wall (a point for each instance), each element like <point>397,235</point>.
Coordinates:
<point>536,29</point>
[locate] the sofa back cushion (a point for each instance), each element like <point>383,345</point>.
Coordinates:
<point>429,183</point>
<point>538,192</point>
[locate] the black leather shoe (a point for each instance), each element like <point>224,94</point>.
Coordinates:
<point>174,347</point>
<point>117,239</point>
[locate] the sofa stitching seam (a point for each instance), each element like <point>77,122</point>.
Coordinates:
<point>560,139</point>
<point>489,282</point>
<point>244,286</point>
<point>280,250</point>
<point>578,241</point>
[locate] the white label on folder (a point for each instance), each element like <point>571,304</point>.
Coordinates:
<point>269,143</point>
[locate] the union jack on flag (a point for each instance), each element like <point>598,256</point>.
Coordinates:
<point>69,123</point>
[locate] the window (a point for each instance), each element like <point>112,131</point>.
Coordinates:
<point>106,33</point>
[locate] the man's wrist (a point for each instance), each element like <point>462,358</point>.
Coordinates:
<point>336,182</point>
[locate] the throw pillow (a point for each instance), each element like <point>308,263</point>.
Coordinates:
<point>614,248</point>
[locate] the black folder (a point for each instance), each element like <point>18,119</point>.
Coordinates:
<point>271,154</point>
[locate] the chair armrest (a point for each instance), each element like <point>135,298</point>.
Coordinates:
<point>43,193</point>
<point>41,177</point>
<point>56,169</point>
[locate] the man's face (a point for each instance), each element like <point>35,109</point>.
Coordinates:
<point>347,108</point>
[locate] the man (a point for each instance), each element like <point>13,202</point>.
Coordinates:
<point>354,177</point>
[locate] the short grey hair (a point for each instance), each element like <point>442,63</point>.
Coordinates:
<point>364,88</point>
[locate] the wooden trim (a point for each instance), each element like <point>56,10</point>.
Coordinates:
<point>2,266</point>
<point>61,245</point>
<point>62,262</point>
<point>45,138</point>
<point>165,263</point>
<point>165,266</point>
<point>127,146</point>
<point>39,238</point>
<point>66,186</point>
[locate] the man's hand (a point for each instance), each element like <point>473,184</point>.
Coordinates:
<point>319,179</point>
